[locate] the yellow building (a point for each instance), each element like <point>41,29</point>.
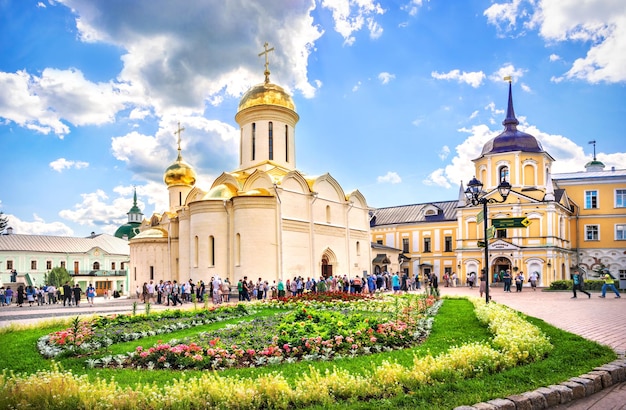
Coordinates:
<point>558,233</point>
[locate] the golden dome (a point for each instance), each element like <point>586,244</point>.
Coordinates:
<point>180,173</point>
<point>266,94</point>
<point>258,192</point>
<point>152,233</point>
<point>221,191</point>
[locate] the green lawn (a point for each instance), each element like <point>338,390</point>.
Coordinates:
<point>454,325</point>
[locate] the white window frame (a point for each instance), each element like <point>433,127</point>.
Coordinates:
<point>597,199</point>
<point>623,199</point>
<point>623,226</point>
<point>586,230</point>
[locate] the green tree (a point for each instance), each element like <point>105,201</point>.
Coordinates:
<point>57,277</point>
<point>4,221</point>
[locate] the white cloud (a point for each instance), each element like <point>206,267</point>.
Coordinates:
<point>391,178</point>
<point>356,87</point>
<point>503,15</point>
<point>437,177</point>
<point>375,29</point>
<point>474,115</point>
<point>21,103</point>
<point>526,88</point>
<point>171,61</point>
<point>350,16</point>
<point>474,79</point>
<point>412,7</point>
<point>599,23</point>
<point>507,70</point>
<point>554,57</point>
<point>385,77</point>
<point>443,154</point>
<point>38,227</point>
<point>61,164</point>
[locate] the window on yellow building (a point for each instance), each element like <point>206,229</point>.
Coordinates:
<point>591,199</point>
<point>448,244</point>
<point>405,245</point>
<point>620,198</point>
<point>592,232</point>
<point>426,244</point>
<point>620,232</point>
<point>503,174</point>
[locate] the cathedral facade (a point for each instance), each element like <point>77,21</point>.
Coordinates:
<point>264,219</point>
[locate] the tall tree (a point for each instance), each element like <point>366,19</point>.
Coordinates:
<point>4,221</point>
<point>57,277</point>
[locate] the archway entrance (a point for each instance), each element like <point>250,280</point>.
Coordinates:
<point>327,269</point>
<point>500,265</point>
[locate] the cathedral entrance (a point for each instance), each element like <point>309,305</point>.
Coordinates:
<point>327,269</point>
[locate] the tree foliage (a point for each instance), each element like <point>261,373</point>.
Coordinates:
<point>4,221</point>
<point>57,277</point>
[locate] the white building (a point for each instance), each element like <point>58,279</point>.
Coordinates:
<point>265,219</point>
<point>98,259</point>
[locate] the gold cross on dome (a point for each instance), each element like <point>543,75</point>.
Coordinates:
<point>267,61</point>
<point>179,132</point>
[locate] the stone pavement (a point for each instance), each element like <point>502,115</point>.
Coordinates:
<point>601,320</point>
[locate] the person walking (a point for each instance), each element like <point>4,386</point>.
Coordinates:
<point>609,283</point>
<point>506,279</point>
<point>91,294</point>
<point>578,284</point>
<point>482,287</point>
<point>532,278</point>
<point>519,281</point>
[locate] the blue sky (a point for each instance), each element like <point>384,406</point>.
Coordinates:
<point>395,97</point>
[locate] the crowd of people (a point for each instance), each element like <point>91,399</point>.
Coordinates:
<point>170,292</point>
<point>67,295</point>
<point>383,281</point>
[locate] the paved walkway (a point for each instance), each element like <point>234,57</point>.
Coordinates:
<point>601,320</point>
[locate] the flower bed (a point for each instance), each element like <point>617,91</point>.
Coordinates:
<point>92,334</point>
<point>306,333</point>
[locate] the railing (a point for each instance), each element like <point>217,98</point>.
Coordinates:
<point>99,273</point>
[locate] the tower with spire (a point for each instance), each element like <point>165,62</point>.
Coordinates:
<point>135,218</point>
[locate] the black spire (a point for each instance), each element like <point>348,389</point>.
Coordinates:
<point>510,121</point>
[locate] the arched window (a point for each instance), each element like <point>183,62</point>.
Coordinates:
<point>327,214</point>
<point>358,248</point>
<point>270,135</point>
<point>96,266</point>
<point>253,140</point>
<point>286,143</point>
<point>211,250</point>
<point>195,252</point>
<point>503,174</point>
<point>238,249</point>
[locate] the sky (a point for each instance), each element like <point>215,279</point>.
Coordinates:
<point>395,97</point>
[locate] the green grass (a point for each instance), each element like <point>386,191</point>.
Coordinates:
<point>454,325</point>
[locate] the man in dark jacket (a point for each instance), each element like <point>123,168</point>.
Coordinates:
<point>67,294</point>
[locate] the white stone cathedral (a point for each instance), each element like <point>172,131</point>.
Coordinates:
<point>265,219</point>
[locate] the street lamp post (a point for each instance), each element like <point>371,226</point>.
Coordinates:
<point>476,196</point>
